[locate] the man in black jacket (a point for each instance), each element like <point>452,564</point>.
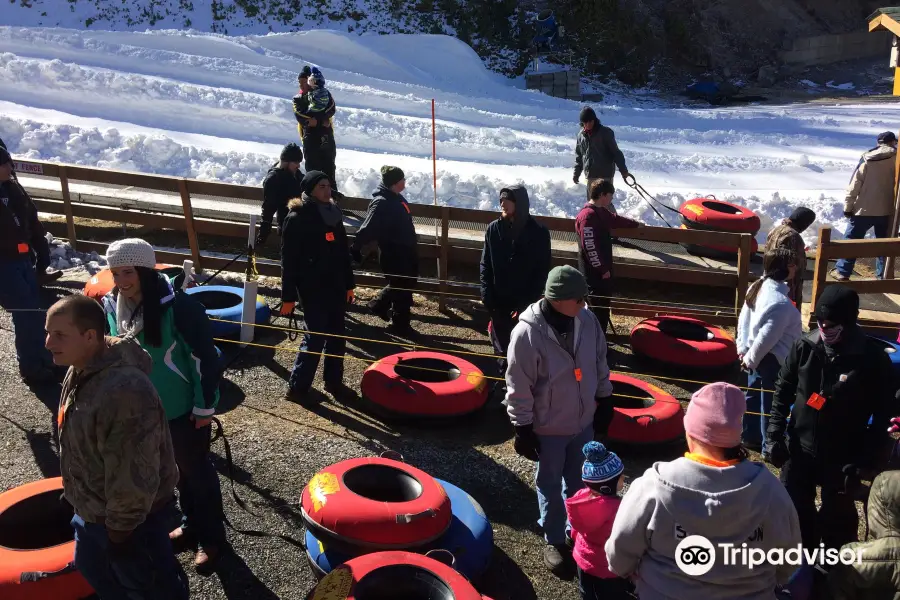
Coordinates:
<point>515,261</point>
<point>389,222</point>
<point>281,185</point>
<point>833,381</point>
<point>21,234</point>
<point>315,265</point>
<point>596,152</point>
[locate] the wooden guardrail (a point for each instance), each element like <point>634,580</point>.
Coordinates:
<point>443,247</point>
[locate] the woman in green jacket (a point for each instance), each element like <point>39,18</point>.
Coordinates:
<point>174,329</point>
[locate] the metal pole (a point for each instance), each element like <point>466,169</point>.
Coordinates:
<point>437,224</point>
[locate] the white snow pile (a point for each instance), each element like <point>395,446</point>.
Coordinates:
<point>63,257</point>
<point>215,107</point>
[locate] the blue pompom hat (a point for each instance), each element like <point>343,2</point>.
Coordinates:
<point>600,465</point>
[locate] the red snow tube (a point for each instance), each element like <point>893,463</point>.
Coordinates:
<point>718,250</point>
<point>394,576</point>
<point>102,283</point>
<point>684,342</point>
<point>425,384</point>
<point>717,215</point>
<point>643,414</point>
<point>37,545</point>
<point>375,504</point>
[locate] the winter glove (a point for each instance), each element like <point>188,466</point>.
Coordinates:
<point>526,442</point>
<point>264,230</point>
<point>777,454</point>
<point>575,179</point>
<point>853,486</point>
<point>351,297</point>
<point>895,425</point>
<point>287,308</point>
<point>848,214</point>
<point>602,417</point>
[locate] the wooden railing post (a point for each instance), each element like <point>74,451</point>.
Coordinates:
<point>444,253</point>
<point>67,207</point>
<point>820,273</point>
<point>189,223</point>
<point>743,269</point>
<point>895,219</point>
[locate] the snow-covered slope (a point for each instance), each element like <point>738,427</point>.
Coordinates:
<point>216,107</point>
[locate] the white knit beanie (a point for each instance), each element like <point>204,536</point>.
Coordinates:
<point>132,252</point>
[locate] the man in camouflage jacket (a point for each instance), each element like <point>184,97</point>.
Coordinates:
<point>116,457</point>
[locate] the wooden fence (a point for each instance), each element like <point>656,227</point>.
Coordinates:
<point>446,249</point>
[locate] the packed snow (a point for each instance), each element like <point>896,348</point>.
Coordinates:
<point>215,107</point>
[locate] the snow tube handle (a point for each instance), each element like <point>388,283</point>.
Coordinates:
<point>392,455</point>
<point>35,576</point>
<point>408,518</point>
<point>652,418</point>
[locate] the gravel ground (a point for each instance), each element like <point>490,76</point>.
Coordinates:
<point>278,445</point>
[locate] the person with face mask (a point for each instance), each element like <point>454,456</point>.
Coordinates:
<point>558,397</point>
<point>834,380</point>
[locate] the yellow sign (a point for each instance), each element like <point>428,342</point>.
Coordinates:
<point>320,486</point>
<point>697,210</point>
<point>335,586</point>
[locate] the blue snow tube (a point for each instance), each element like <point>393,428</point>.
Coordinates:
<point>224,305</point>
<point>892,349</point>
<point>470,539</point>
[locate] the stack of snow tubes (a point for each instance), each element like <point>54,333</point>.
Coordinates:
<point>381,514</point>
<point>710,214</point>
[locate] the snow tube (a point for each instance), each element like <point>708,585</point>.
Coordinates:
<point>717,251</point>
<point>224,304</point>
<point>717,215</point>
<point>470,539</point>
<point>102,283</point>
<point>394,576</point>
<point>683,342</point>
<point>892,349</point>
<point>375,504</point>
<point>37,545</point>
<point>653,417</point>
<point>424,384</point>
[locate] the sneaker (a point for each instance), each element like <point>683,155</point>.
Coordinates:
<point>837,276</point>
<point>48,277</point>
<point>303,397</point>
<point>380,311</point>
<point>206,559</point>
<point>556,558</point>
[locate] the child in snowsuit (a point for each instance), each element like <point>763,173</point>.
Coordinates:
<point>591,512</point>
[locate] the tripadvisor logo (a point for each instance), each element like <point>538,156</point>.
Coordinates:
<point>695,555</point>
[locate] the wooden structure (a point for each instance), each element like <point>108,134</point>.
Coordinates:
<point>888,19</point>
<point>448,249</point>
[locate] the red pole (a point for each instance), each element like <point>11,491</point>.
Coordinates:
<point>434,150</point>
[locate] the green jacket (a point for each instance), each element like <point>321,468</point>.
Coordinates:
<point>186,368</point>
<point>878,575</point>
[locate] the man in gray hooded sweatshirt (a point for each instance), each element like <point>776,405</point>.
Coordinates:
<point>558,397</point>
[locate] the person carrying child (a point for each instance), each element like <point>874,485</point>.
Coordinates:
<point>591,512</point>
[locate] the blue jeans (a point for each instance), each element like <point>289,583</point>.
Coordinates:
<point>19,295</point>
<point>199,490</point>
<point>326,316</point>
<point>146,571</point>
<point>558,473</point>
<point>857,230</point>
<point>763,377</point>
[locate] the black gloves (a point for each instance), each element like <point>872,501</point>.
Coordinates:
<point>264,230</point>
<point>777,454</point>
<point>575,179</point>
<point>603,417</point>
<point>526,443</point>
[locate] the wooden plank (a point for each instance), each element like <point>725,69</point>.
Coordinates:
<point>36,167</point>
<point>820,273</point>
<point>67,207</point>
<point>189,223</point>
<point>225,190</point>
<point>138,180</point>
<point>469,215</point>
<point>743,268</point>
<point>443,271</point>
<point>895,221</point>
<point>676,275</point>
<point>651,311</point>
<point>863,248</point>
<point>869,286</point>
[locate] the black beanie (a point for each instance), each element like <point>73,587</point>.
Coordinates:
<point>292,153</point>
<point>391,175</point>
<point>587,115</point>
<point>802,218</point>
<point>310,180</point>
<point>4,156</point>
<point>304,73</point>
<point>838,304</point>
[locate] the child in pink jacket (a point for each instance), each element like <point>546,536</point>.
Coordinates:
<point>592,511</point>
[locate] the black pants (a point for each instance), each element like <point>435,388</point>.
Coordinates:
<point>321,155</point>
<point>836,522</point>
<point>502,324</point>
<point>595,588</point>
<point>599,300</point>
<point>199,491</point>
<point>324,316</point>
<point>401,269</point>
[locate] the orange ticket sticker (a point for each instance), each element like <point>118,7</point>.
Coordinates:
<point>329,236</point>
<point>577,374</point>
<point>816,401</point>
